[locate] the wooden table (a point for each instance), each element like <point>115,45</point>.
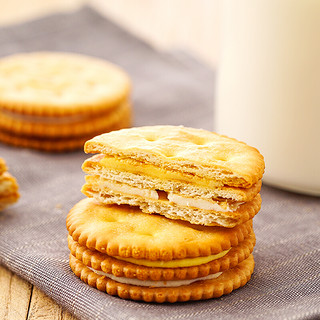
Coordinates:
<point>21,300</point>
<point>188,24</point>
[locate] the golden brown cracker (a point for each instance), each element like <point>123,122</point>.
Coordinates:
<point>67,126</point>
<point>3,166</point>
<point>9,193</point>
<point>127,232</point>
<point>52,145</point>
<point>200,290</point>
<point>57,84</point>
<point>186,151</point>
<point>8,200</point>
<point>55,145</point>
<point>119,268</point>
<point>8,185</point>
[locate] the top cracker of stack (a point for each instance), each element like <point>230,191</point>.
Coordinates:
<point>56,101</point>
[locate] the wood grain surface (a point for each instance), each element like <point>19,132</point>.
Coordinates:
<point>20,300</point>
<point>188,24</point>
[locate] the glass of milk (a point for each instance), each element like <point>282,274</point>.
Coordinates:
<point>268,88</point>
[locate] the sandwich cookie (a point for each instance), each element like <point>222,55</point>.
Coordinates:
<point>3,166</point>
<point>181,173</point>
<point>67,126</point>
<point>8,187</point>
<point>138,256</point>
<point>51,97</point>
<point>63,143</point>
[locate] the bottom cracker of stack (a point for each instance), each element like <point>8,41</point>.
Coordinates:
<point>138,256</point>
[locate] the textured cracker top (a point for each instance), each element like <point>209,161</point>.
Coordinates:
<point>128,232</point>
<point>54,83</point>
<point>185,150</point>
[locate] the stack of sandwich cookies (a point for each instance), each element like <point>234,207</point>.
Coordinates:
<point>169,214</point>
<point>138,256</point>
<point>57,101</point>
<point>8,187</point>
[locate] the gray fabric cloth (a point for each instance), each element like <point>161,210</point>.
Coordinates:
<point>169,88</point>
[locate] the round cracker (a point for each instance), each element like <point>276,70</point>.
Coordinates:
<point>56,83</point>
<point>56,127</point>
<point>128,232</point>
<point>119,268</point>
<point>200,290</point>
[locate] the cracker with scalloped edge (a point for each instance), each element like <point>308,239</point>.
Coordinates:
<point>228,281</point>
<point>57,144</point>
<point>185,153</point>
<point>68,126</point>
<point>121,268</point>
<point>59,84</point>
<point>128,232</point>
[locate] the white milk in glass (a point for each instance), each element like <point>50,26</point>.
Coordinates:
<point>268,89</point>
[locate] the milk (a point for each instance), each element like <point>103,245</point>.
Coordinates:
<point>268,89</point>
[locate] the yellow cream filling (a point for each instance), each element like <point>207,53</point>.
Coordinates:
<point>180,263</point>
<point>136,167</point>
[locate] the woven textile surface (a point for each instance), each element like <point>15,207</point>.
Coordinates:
<point>169,88</point>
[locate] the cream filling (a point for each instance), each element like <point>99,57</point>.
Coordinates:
<point>133,191</point>
<point>139,168</point>
<point>188,262</point>
<point>45,119</point>
<point>174,198</point>
<point>196,203</point>
<point>156,284</point>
